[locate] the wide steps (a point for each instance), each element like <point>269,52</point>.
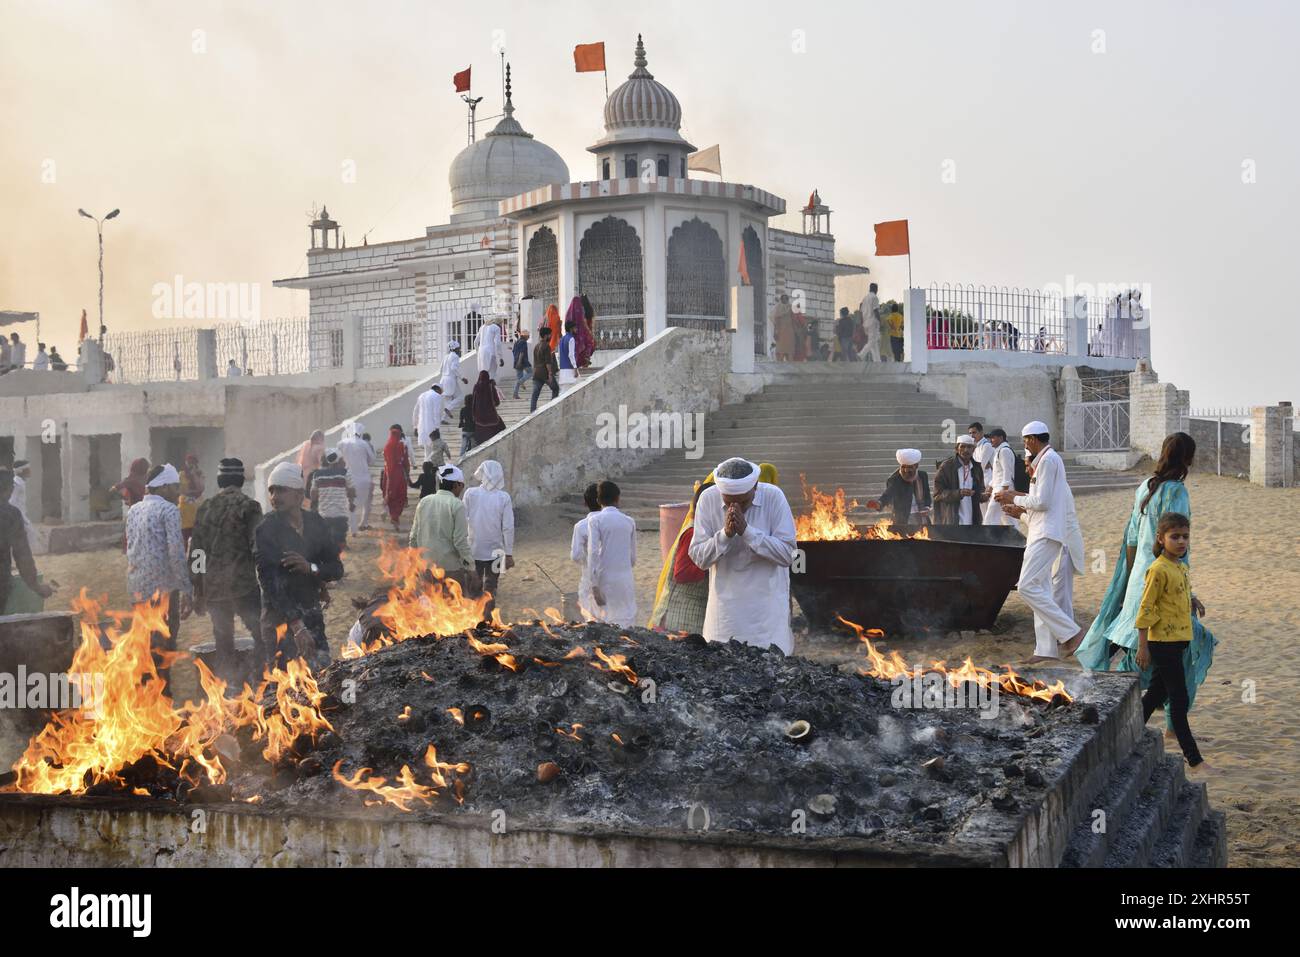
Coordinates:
<point>1147,823</point>
<point>1089,847</point>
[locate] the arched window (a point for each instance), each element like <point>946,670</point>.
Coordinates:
<point>542,269</point>
<point>610,273</point>
<point>697,274</point>
<point>758,278</point>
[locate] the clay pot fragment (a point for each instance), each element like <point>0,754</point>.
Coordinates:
<point>547,771</point>
<point>799,732</point>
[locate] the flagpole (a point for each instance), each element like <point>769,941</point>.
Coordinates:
<point>606,72</point>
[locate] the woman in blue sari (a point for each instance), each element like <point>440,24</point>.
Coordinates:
<point>1112,641</point>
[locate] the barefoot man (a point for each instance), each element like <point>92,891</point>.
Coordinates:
<point>745,539</point>
<point>1048,505</point>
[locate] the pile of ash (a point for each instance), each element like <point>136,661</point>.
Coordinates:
<point>561,741</point>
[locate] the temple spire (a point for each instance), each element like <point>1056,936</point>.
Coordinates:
<point>640,61</point>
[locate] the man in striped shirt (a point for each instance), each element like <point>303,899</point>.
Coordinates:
<point>332,494</point>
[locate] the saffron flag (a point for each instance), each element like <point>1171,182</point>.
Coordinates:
<point>589,57</point>
<point>891,238</point>
<point>461,80</point>
<point>706,161</point>
<point>85,331</point>
<point>744,267</point>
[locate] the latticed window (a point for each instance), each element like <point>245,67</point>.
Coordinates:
<point>697,272</point>
<point>609,268</point>
<point>661,165</point>
<point>629,166</point>
<point>754,261</point>
<point>542,270</point>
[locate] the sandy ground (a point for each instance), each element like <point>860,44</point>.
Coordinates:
<point>1244,568</point>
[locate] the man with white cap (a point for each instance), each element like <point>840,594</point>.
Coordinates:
<point>450,380</point>
<point>427,421</point>
<point>907,491</point>
<point>358,455</point>
<point>491,518</point>
<point>1048,506</point>
<point>296,556</point>
<point>488,348</point>
<point>1001,477</point>
<point>745,539</point>
<point>155,557</point>
<point>959,487</point>
<point>440,530</point>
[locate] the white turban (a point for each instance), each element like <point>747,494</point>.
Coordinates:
<point>286,475</point>
<point>449,473</point>
<point>908,456</point>
<point>1035,428</point>
<point>168,476</point>
<point>965,440</point>
<point>453,345</point>
<point>735,486</point>
<point>490,476</point>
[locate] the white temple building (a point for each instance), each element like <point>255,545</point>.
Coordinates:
<point>650,246</point>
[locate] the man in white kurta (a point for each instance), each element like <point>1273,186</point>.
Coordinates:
<point>611,556</point>
<point>428,417</point>
<point>488,349</point>
<point>745,539</point>
<point>870,308</point>
<point>1069,564</point>
<point>491,518</point>
<point>358,456</point>
<point>578,553</point>
<point>1046,507</point>
<point>450,378</point>
<point>1001,477</point>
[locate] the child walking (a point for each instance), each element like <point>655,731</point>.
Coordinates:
<point>1164,623</point>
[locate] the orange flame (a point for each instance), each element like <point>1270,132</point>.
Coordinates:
<point>893,666</point>
<point>571,733</point>
<point>617,664</point>
<point>78,749</point>
<point>457,715</point>
<point>829,521</point>
<point>421,601</point>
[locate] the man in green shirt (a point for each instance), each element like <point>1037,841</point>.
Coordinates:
<point>441,532</point>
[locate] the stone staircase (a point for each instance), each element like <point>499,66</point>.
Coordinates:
<point>511,410</point>
<point>1154,817</point>
<point>839,427</point>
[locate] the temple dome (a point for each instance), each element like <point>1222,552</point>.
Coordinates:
<point>504,163</point>
<point>642,101</point>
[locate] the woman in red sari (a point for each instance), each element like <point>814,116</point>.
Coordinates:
<point>396,475</point>
<point>131,488</point>
<point>584,344</point>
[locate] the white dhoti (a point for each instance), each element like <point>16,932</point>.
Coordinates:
<point>993,514</point>
<point>1063,584</point>
<point>871,351</point>
<point>361,514</point>
<point>1051,623</point>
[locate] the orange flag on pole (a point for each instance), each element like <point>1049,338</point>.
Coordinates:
<point>85,331</point>
<point>589,57</point>
<point>891,239</point>
<point>461,80</point>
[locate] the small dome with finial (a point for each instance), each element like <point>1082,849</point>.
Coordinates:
<point>642,101</point>
<point>507,161</point>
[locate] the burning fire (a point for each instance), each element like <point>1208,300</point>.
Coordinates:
<point>829,520</point>
<point>133,720</point>
<point>421,601</point>
<point>617,664</point>
<point>894,666</point>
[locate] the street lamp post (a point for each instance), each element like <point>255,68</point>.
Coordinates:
<point>99,226</point>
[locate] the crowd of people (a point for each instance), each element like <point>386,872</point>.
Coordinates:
<point>871,333</point>
<point>13,355</point>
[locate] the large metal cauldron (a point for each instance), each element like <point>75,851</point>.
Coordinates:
<point>957,580</point>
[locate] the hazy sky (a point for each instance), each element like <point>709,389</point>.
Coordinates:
<point>217,126</point>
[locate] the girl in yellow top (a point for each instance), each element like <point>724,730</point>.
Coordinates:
<point>1164,623</point>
